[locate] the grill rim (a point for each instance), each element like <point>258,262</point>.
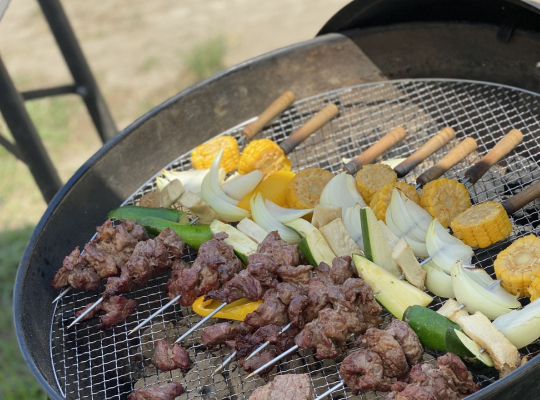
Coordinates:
<point>493,389</point>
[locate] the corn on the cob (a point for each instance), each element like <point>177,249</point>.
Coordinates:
<point>264,155</point>
<point>382,198</point>
<point>202,156</point>
<point>304,190</point>
<point>371,178</point>
<point>519,266</point>
<point>444,199</point>
<point>482,224</point>
<point>534,289</point>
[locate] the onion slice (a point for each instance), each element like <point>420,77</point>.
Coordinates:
<point>446,249</point>
<point>353,224</point>
<point>239,186</point>
<point>265,220</point>
<point>191,180</point>
<point>283,214</point>
<point>521,327</point>
<point>341,191</point>
<point>438,282</point>
<point>224,206</point>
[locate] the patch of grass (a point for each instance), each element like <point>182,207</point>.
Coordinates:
<point>16,380</point>
<point>207,57</point>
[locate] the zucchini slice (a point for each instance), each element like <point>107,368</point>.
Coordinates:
<point>243,245</point>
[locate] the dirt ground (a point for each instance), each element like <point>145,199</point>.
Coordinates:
<point>137,50</point>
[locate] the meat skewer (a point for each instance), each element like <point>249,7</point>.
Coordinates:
<point>148,258</point>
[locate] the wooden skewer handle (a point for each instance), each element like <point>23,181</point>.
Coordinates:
<point>458,153</point>
<point>520,200</point>
<point>277,107</point>
<point>314,124</point>
<point>427,149</point>
<point>386,142</point>
<point>501,149</point>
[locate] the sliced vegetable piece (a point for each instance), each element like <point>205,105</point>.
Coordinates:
<point>283,214</point>
<point>191,180</point>
<point>339,239</point>
<point>341,192</point>
<point>192,235</point>
<point>405,259</point>
<point>438,282</point>
<point>315,248</point>
<point>371,178</point>
<point>243,245</point>
<point>171,193</point>
<point>252,230</point>
<point>376,247</point>
<point>466,347</point>
<point>301,227</point>
<point>478,327</point>
<point>263,155</point>
<point>204,154</point>
<point>445,249</point>
<point>239,186</point>
<point>273,188</point>
<point>521,327</point>
<point>265,220</point>
<point>304,190</point>
<point>394,294</point>
<point>429,326</point>
<point>353,224</point>
<point>381,199</point>
<point>198,208</point>
<point>444,199</point>
<point>390,237</point>
<point>324,214</point>
<point>237,310</point>
<point>134,213</point>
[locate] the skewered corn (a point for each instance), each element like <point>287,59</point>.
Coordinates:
<point>264,155</point>
<point>371,179</point>
<point>304,190</point>
<point>519,266</point>
<point>202,156</point>
<point>382,198</point>
<point>444,199</point>
<point>482,224</point>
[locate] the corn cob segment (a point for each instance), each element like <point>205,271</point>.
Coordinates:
<point>304,190</point>
<point>519,266</point>
<point>371,179</point>
<point>482,225</point>
<point>444,199</point>
<point>202,156</point>
<point>265,156</point>
<point>382,198</point>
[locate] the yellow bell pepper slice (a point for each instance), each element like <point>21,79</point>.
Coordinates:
<point>237,310</point>
<point>273,188</point>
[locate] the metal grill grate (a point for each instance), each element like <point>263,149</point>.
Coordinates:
<point>94,364</point>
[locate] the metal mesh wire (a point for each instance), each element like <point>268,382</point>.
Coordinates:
<point>94,364</point>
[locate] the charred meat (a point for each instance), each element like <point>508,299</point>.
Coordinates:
<point>271,312</point>
<point>384,344</point>
<point>169,391</point>
<point>258,361</point>
<point>218,334</point>
<point>407,339</point>
<point>243,285</point>
<point>300,274</point>
<point>116,308</point>
<point>281,252</point>
<point>363,370</point>
<point>168,357</point>
<point>286,387</point>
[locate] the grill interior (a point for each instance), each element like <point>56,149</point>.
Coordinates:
<point>92,364</point>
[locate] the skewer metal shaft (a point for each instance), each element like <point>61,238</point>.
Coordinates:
<point>86,312</point>
<point>66,291</point>
<point>228,360</point>
<point>331,390</point>
<point>262,346</point>
<point>147,320</point>
<point>271,362</point>
<point>202,321</point>
<point>425,261</point>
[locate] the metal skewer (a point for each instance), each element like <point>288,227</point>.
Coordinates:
<point>273,361</point>
<point>153,315</point>
<point>62,294</point>
<point>331,390</point>
<point>85,312</point>
<point>202,321</point>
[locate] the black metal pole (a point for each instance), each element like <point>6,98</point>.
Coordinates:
<point>29,143</point>
<point>76,62</point>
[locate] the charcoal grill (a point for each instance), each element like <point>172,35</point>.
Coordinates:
<point>85,363</point>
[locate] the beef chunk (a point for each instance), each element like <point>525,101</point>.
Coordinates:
<point>363,371</point>
<point>412,392</point>
<point>220,333</point>
<point>173,243</point>
<point>357,292</point>
<point>265,260</point>
<point>243,285</point>
<point>119,284</point>
<point>245,344</point>
<point>168,357</point>
<point>117,309</point>
<point>407,339</point>
<point>300,274</point>
<point>318,298</point>
<point>313,337</point>
<point>281,252</point>
<point>76,272</point>
<point>258,361</point>
<point>168,391</point>
<point>342,269</point>
<point>286,387</point>
<point>384,344</point>
<point>288,291</point>
<point>149,258</point>
<point>434,381</point>
<point>263,275</point>
<point>453,368</point>
<point>296,311</point>
<point>272,311</point>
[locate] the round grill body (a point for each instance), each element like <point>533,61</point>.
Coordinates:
<point>124,165</point>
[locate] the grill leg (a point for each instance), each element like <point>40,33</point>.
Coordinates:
<point>30,147</point>
<point>84,80</point>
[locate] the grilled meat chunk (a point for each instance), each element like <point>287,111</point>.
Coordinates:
<point>117,309</point>
<point>434,381</point>
<point>168,357</point>
<point>411,392</point>
<point>281,252</point>
<point>313,337</point>
<point>453,368</point>
<point>263,275</point>
<point>318,298</point>
<point>363,370</point>
<point>384,344</point>
<point>407,339</point>
<point>288,291</point>
<point>168,391</point>
<point>76,272</point>
<point>357,292</point>
<point>243,285</point>
<point>342,269</point>
<point>258,361</point>
<point>218,334</point>
<point>271,312</point>
<point>300,274</point>
<point>286,387</point>
<point>174,243</point>
<point>296,311</point>
<point>265,260</point>
<point>245,344</point>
